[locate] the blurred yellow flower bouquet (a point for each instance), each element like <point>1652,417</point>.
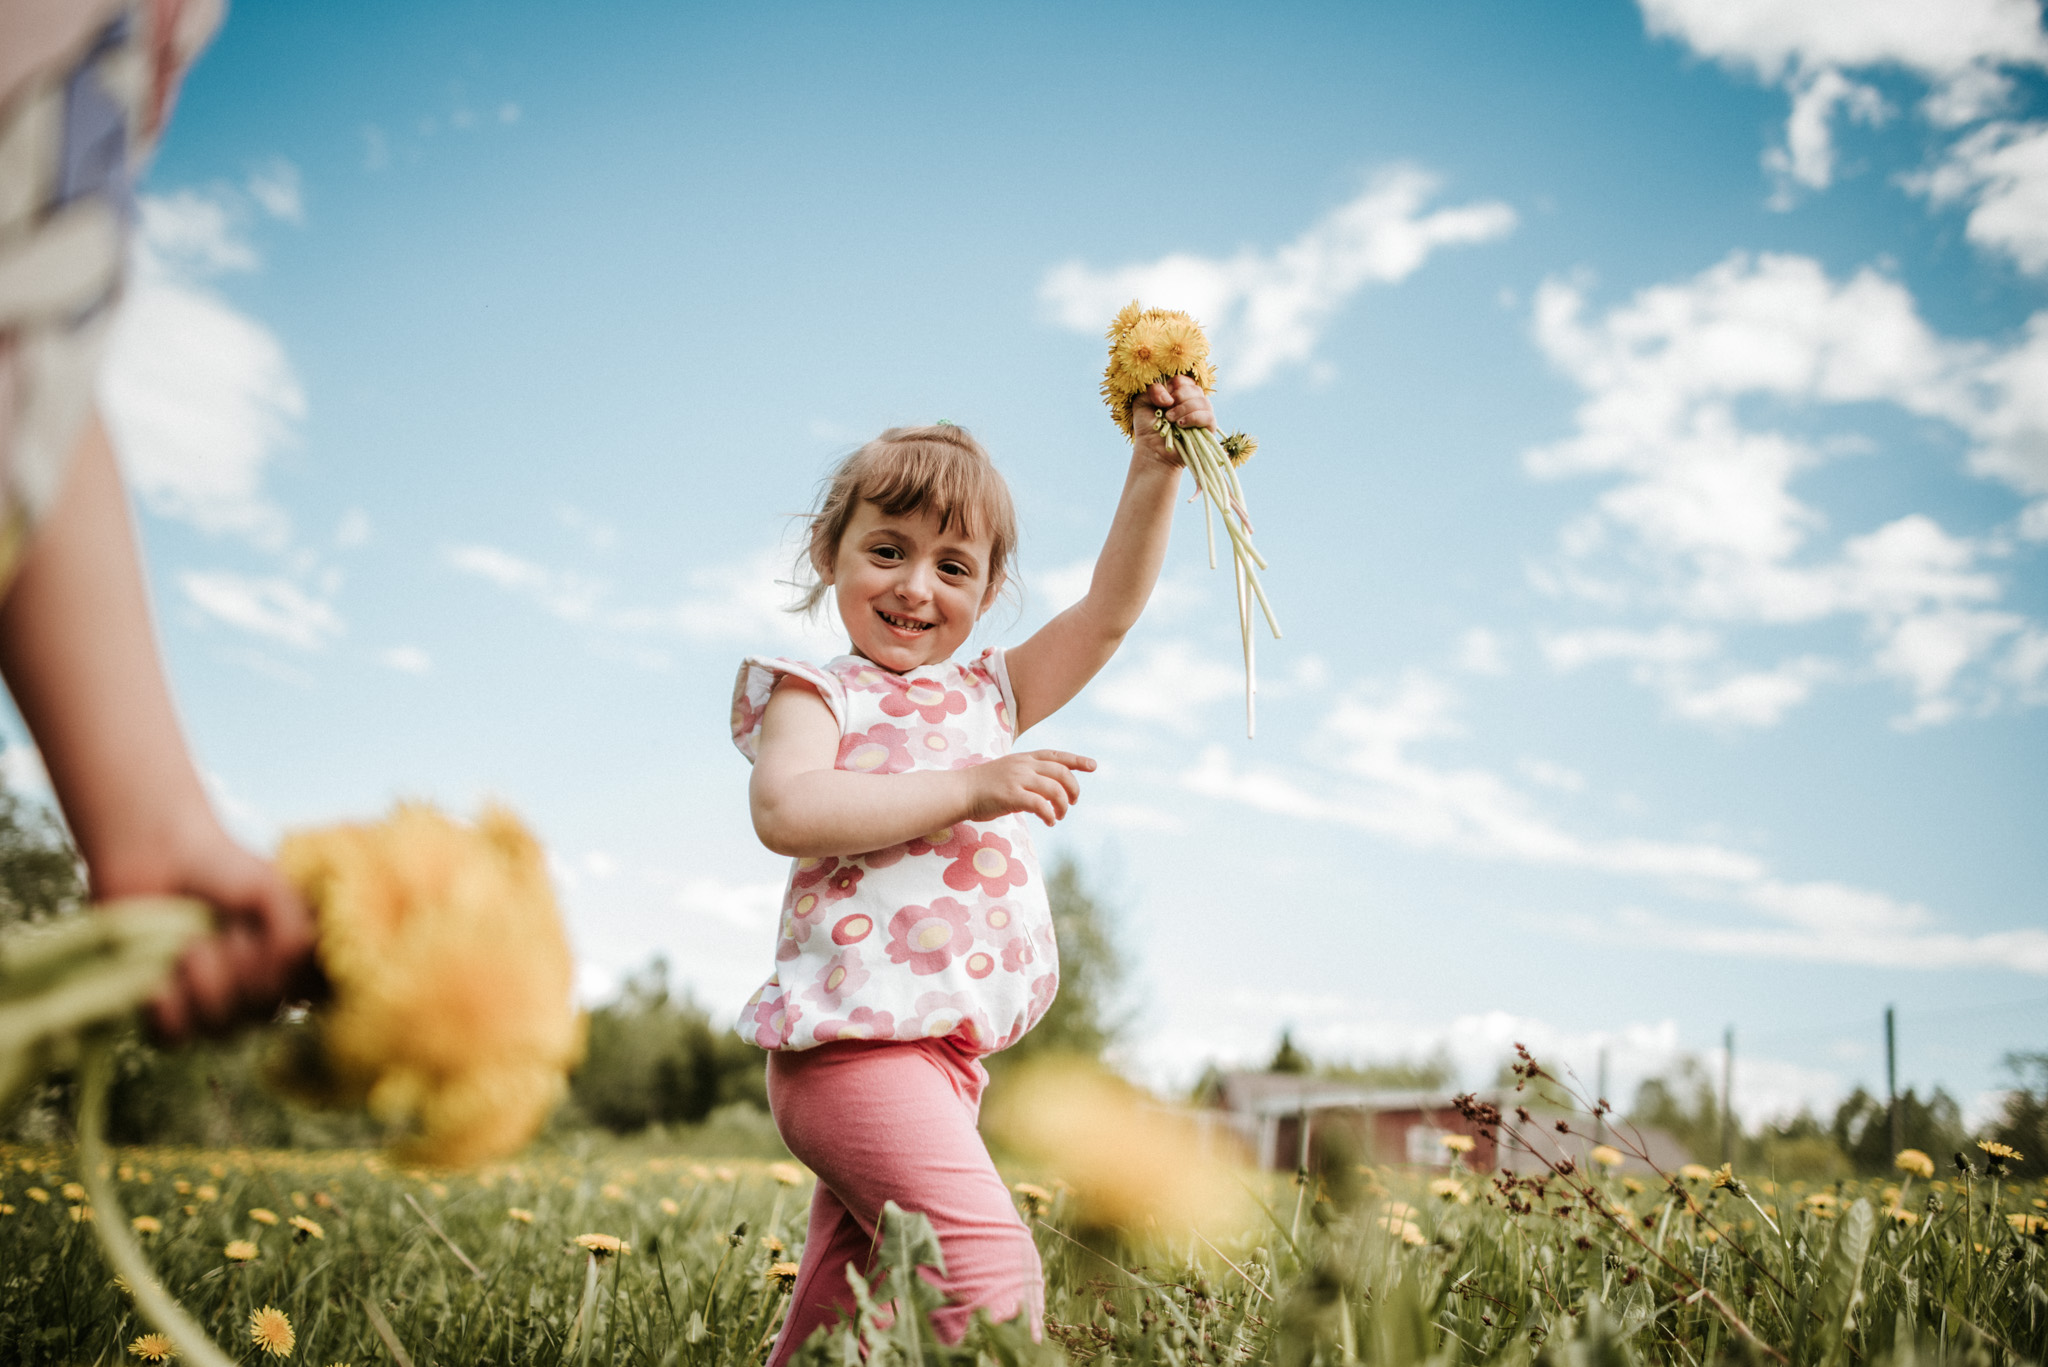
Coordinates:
<point>1149,346</point>
<point>448,1012</point>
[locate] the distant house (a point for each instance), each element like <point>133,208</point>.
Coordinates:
<point>1286,1121</point>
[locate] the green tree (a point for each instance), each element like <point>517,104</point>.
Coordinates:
<point>1288,1058</point>
<point>1863,1131</point>
<point>2023,1124</point>
<point>39,871</point>
<point>654,1058</point>
<point>1685,1104</point>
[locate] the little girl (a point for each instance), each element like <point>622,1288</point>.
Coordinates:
<point>915,934</point>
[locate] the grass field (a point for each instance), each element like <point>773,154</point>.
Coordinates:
<point>1367,1264</point>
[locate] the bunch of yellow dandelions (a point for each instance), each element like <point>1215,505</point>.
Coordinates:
<point>1149,346</point>
<point>448,1011</point>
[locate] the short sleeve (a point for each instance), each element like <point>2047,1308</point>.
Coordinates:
<point>993,664</point>
<point>757,680</point>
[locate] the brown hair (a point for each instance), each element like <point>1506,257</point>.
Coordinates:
<point>909,470</point>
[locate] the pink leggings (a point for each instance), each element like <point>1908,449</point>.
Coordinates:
<point>882,1121</point>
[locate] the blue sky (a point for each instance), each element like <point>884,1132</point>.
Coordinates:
<point>1654,469</point>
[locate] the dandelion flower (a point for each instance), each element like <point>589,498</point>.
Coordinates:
<point>1125,318</point>
<point>241,1251</point>
<point>522,1215</point>
<point>146,1224</point>
<point>1915,1162</point>
<point>151,1348</point>
<point>1450,1189</point>
<point>1606,1156</point>
<point>6,1209</point>
<point>1240,447</point>
<point>603,1245</point>
<point>1401,1210</point>
<point>1458,1143</point>
<point>669,1207</point>
<point>1696,1172</point>
<point>1904,1217</point>
<point>451,1017</point>
<point>262,1216</point>
<point>307,1229</point>
<point>182,1187</point>
<point>1405,1230</point>
<point>788,1174</point>
<point>39,1196</point>
<point>783,1275</point>
<point>2026,1224</point>
<point>207,1192</point>
<point>725,1174</point>
<point>612,1191</point>
<point>1037,1200</point>
<point>73,1191</point>
<point>271,1331</point>
<point>1990,1146</point>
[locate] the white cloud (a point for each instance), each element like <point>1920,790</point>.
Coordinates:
<point>21,769</point>
<point>1368,777</point>
<point>200,397</point>
<point>1481,652</point>
<point>1266,310</point>
<point>407,660</point>
<point>353,529</point>
<point>276,190</point>
<point>2001,169</point>
<point>564,594</point>
<point>271,607</point>
<point>1703,521</point>
<point>1958,47</point>
<point>1167,686</point>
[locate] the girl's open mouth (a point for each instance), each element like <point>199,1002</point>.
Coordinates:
<point>904,623</point>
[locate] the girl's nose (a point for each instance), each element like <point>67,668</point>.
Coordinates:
<point>914,585</point>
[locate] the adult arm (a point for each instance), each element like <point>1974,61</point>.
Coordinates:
<point>79,656</point>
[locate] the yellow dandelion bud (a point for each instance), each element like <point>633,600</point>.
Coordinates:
<point>262,1216</point>
<point>770,1243</point>
<point>602,1246</point>
<point>788,1174</point>
<point>146,1224</point>
<point>1458,1143</point>
<point>1915,1162</point>
<point>241,1251</point>
<point>271,1331</point>
<point>305,1229</point>
<point>151,1348</point>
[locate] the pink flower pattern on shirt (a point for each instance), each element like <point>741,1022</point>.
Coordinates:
<point>946,933</point>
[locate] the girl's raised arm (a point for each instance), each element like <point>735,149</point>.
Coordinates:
<point>1064,654</point>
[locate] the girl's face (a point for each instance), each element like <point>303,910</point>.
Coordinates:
<point>908,593</point>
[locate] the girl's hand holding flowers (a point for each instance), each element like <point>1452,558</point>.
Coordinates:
<point>1185,405</point>
<point>1041,782</point>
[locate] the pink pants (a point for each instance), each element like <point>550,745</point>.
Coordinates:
<point>882,1121</point>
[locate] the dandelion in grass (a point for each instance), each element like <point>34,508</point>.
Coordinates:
<point>1404,1230</point>
<point>669,1207</point>
<point>262,1216</point>
<point>271,1331</point>
<point>451,1016</point>
<point>81,1215</point>
<point>1915,1162</point>
<point>207,1192</point>
<point>1908,1218</point>
<point>146,1225</point>
<point>519,1213</point>
<point>788,1174</point>
<point>73,1191</point>
<point>602,1245</point>
<point>1606,1156</point>
<point>1450,1189</point>
<point>1458,1143</point>
<point>241,1251</point>
<point>1696,1172</point>
<point>39,1196</point>
<point>781,1275</point>
<point>6,1209</point>
<point>1037,1200</point>
<point>151,1348</point>
<point>612,1191</point>
<point>304,1229</point>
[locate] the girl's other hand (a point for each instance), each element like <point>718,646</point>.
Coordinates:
<point>1184,404</point>
<point>1044,783</point>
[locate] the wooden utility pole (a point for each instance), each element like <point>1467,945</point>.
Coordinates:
<point>1728,1096</point>
<point>1891,1081</point>
<point>1600,1096</point>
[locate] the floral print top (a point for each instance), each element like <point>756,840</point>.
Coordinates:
<point>945,934</point>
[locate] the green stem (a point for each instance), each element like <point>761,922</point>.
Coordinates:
<point>110,1221</point>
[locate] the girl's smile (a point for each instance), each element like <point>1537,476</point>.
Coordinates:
<point>908,591</point>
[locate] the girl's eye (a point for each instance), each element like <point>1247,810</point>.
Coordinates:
<point>887,553</point>
<point>955,568</point>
